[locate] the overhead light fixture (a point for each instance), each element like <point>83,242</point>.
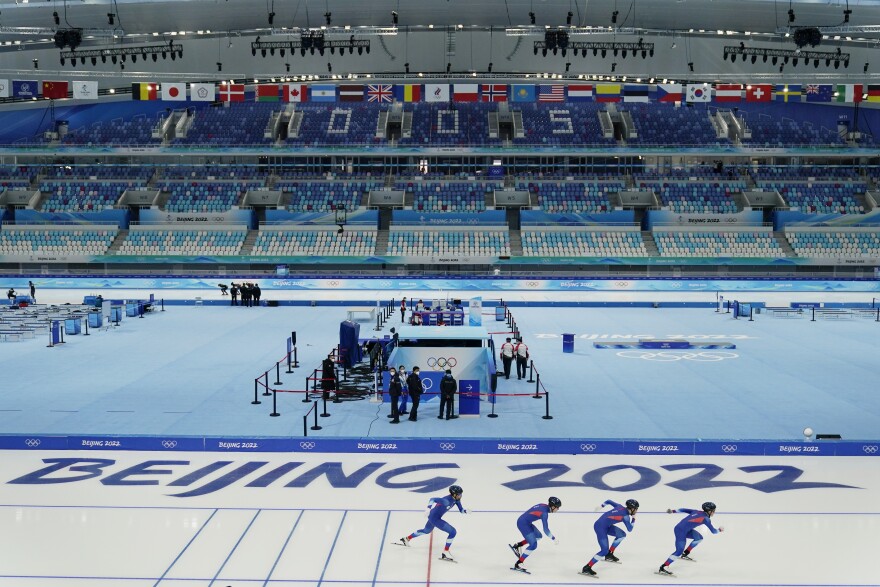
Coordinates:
<point>614,17</point>
<point>532,17</point>
<point>490,67</point>
<point>36,63</point>
<point>448,67</point>
<point>56,18</point>
<point>330,67</point>
<point>328,16</point>
<point>394,17</point>
<point>786,55</point>
<point>846,14</point>
<point>691,65</point>
<point>613,67</point>
<point>406,66</point>
<point>865,68</point>
<point>569,17</point>
<point>121,54</point>
<point>111,18</point>
<point>567,67</point>
<point>271,18</point>
<point>219,66</point>
<point>790,15</point>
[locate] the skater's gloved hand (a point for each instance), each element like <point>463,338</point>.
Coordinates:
<point>721,528</point>
<point>599,508</point>
<point>464,511</point>
<point>670,511</point>
<point>554,539</point>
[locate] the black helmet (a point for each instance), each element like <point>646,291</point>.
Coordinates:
<point>554,502</point>
<point>708,507</point>
<point>632,504</point>
<point>456,490</point>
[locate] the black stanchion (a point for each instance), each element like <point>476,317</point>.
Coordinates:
<point>306,398</point>
<point>751,313</point>
<point>546,415</point>
<point>306,425</point>
<point>295,360</point>
<point>86,321</point>
<point>378,322</point>
<point>274,404</point>
<point>531,371</point>
<point>289,365</point>
<point>537,387</point>
<point>51,341</point>
<point>878,315</point>
<point>162,303</point>
<point>266,383</point>
<point>277,373</point>
<point>813,319</point>
<point>315,425</point>
<point>256,384</point>
<point>493,414</point>
<point>325,413</point>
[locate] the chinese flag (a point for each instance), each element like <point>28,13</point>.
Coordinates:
<point>54,90</point>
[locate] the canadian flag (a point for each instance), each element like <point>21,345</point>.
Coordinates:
<point>296,93</point>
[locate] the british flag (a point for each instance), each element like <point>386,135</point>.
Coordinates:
<point>379,93</point>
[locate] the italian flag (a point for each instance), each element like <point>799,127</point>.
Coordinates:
<point>849,93</point>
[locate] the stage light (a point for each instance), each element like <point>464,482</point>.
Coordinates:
<point>36,63</point>
<point>532,17</point>
<point>328,16</point>
<point>568,18</point>
<point>790,15</point>
<point>490,67</point>
<point>56,18</point>
<point>691,65</point>
<point>613,67</point>
<point>219,66</point>
<point>394,17</point>
<point>614,17</point>
<point>865,69</point>
<point>330,67</point>
<point>271,18</point>
<point>111,18</point>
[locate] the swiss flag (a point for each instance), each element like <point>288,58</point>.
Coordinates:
<point>759,93</point>
<point>296,93</point>
<point>232,92</point>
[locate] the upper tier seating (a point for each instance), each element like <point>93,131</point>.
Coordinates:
<point>217,172</point>
<point>580,242</point>
<point>78,196</point>
<point>337,124</point>
<point>205,196</point>
<point>239,123</point>
<point>206,241</point>
<point>821,198</point>
<point>803,173</point>
<point>780,133</point>
<point>439,124</point>
<point>80,240</point>
<point>314,196</point>
<point>448,196</point>
<point>487,242</point>
<point>137,130</point>
<point>329,242</point>
<point>664,124</point>
<point>560,124</point>
<point>838,243</point>
<point>575,196</point>
<point>696,196</point>
<point>717,244</point>
<point>85,172</point>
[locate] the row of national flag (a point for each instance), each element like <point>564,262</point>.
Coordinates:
<point>388,93</point>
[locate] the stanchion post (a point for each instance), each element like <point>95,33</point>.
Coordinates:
<point>87,325</point>
<point>295,361</point>
<point>493,414</point>
<point>289,366</point>
<point>531,372</point>
<point>51,342</point>
<point>546,415</point>
<point>751,313</point>
<point>306,425</point>
<point>537,387</point>
<point>306,398</point>
<point>325,413</point>
<point>274,404</point>
<point>813,319</point>
<point>277,373</point>
<point>315,425</point>
<point>256,399</point>
<point>878,315</point>
<point>266,383</point>
<point>378,324</point>
<point>162,303</point>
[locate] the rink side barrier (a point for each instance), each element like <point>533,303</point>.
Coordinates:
<point>798,448</point>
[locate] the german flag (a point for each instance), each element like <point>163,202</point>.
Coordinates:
<point>873,94</point>
<point>144,91</point>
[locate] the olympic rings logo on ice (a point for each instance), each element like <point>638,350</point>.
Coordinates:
<point>426,384</point>
<point>532,283</point>
<point>383,284</point>
<point>307,445</point>
<point>728,448</point>
<point>169,444</point>
<point>870,449</point>
<point>670,356</point>
<point>447,446</point>
<point>32,442</point>
<point>588,447</point>
<point>622,283</point>
<point>440,363</point>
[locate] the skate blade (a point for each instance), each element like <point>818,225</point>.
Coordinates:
<point>690,560</point>
<point>447,560</point>
<point>514,551</point>
<point>398,543</point>
<point>520,570</point>
<point>615,562</point>
<point>588,575</point>
<point>671,575</point>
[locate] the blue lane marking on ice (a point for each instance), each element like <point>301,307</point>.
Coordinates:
<point>231,552</point>
<point>283,548</point>
<point>191,540</point>
<point>381,546</point>
<point>332,548</point>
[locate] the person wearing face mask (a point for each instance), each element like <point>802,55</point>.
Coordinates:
<point>414,383</point>
<point>395,388</point>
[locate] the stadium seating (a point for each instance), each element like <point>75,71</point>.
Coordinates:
<point>834,244</point>
<point>593,242</point>
<point>448,196</point>
<point>820,198</point>
<point>696,196</point>
<point>710,243</point>
<point>315,196</point>
<point>561,124</point>
<point>316,241</point>
<point>237,123</point>
<point>205,195</point>
<point>171,241</point>
<point>79,196</point>
<point>664,124</point>
<point>572,196</point>
<point>351,124</point>
<point>86,172</point>
<point>488,241</point>
<point>37,240</point>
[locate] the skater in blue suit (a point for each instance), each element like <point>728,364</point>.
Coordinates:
<point>606,526</point>
<point>526,525</point>
<point>438,506</point>
<point>687,529</point>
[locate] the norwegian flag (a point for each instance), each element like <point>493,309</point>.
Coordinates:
<point>379,93</point>
<point>494,92</point>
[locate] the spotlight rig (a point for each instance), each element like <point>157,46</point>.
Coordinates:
<point>312,41</point>
<point>557,40</point>
<point>117,54</point>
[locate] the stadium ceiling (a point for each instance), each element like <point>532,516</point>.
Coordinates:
<point>22,20</point>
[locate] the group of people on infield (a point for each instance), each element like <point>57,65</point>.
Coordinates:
<point>606,526</point>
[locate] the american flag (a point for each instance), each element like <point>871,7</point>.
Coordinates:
<point>554,93</point>
<point>379,93</point>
